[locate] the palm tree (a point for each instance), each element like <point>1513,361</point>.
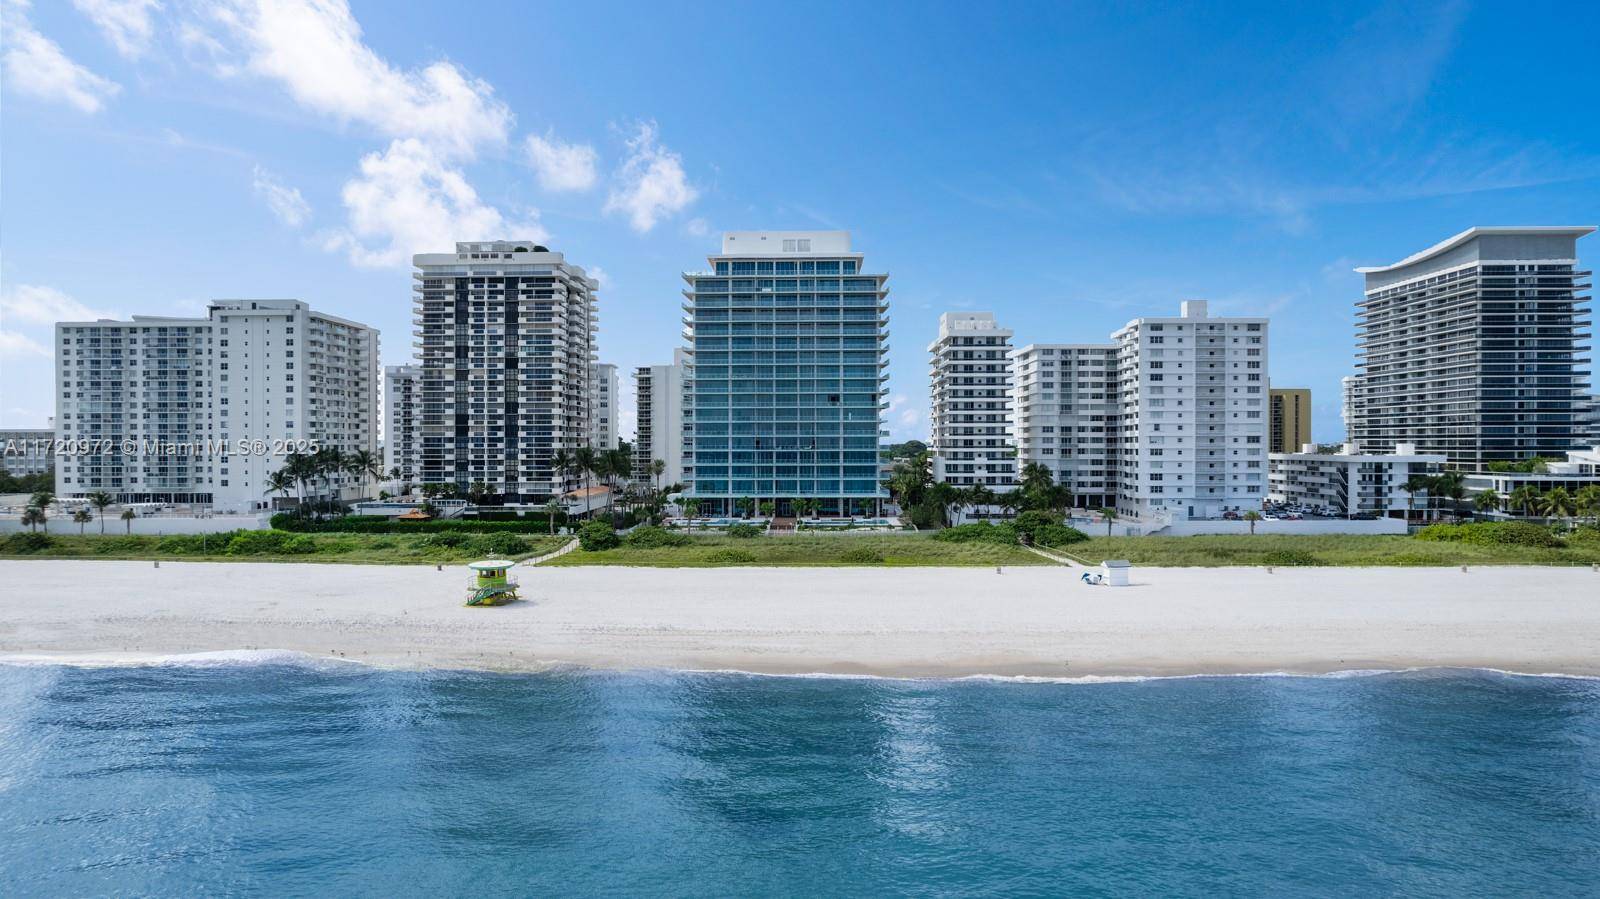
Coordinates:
<point>657,469</point>
<point>364,464</point>
<point>81,518</point>
<point>560,465</point>
<point>41,500</point>
<point>1558,503</point>
<point>980,495</point>
<point>33,516</point>
<point>1588,501</point>
<point>329,462</point>
<point>745,505</point>
<point>616,464</point>
<point>477,492</point>
<point>551,510</point>
<point>585,462</point>
<point>1524,497</point>
<point>127,519</point>
<point>279,481</point>
<point>301,469</point>
<point>1488,501</point>
<point>767,507</point>
<point>1449,486</point>
<point>100,500</point>
<point>691,510</point>
<point>1111,515</point>
<point>1415,484</point>
<point>1251,516</point>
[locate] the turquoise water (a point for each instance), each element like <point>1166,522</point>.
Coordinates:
<point>290,779</point>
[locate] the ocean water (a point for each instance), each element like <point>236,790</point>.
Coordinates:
<point>296,779</point>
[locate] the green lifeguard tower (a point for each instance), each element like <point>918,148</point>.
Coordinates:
<point>492,587</point>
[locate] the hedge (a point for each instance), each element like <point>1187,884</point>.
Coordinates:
<point>1492,533</point>
<point>380,524</point>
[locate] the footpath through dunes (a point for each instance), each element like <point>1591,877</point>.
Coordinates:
<point>910,621</point>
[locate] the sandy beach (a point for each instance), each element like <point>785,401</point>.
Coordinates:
<point>904,622</point>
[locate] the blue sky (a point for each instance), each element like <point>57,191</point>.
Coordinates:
<point>1067,167</point>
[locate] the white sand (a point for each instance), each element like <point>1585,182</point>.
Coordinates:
<point>908,621</point>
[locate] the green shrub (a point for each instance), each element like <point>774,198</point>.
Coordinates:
<point>730,556</point>
<point>981,532</point>
<point>650,536</point>
<point>382,544</point>
<point>29,542</point>
<point>595,536</point>
<point>1584,535</point>
<point>1057,535</point>
<point>1415,560</point>
<point>502,545</point>
<point>861,555</point>
<point>443,541</point>
<point>1290,557</point>
<point>926,515</point>
<point>1493,533</point>
<point>194,544</point>
<point>1029,523</point>
<point>250,543</point>
<point>301,545</point>
<point>743,531</point>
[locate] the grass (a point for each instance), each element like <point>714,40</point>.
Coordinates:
<point>392,549</point>
<point>715,552</point>
<point>1321,549</point>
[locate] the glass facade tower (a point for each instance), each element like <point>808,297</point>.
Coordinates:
<point>784,391</point>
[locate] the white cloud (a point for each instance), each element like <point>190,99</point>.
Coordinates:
<point>698,227</point>
<point>39,305</point>
<point>599,275</point>
<point>285,202</point>
<point>14,344</point>
<point>407,199</point>
<point>313,48</point>
<point>125,23</point>
<point>38,67</point>
<point>651,184</point>
<point>561,166</point>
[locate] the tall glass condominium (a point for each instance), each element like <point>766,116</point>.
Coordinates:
<point>1472,347</point>
<point>506,344</point>
<point>784,393</point>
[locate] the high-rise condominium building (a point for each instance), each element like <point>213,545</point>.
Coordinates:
<point>1349,403</point>
<point>1067,416</point>
<point>1349,482</point>
<point>1473,347</point>
<point>1193,391</point>
<point>185,401</point>
<point>506,339</point>
<point>1288,419</point>
<point>28,451</point>
<point>659,436</point>
<point>970,374</point>
<point>402,421</point>
<point>784,395</point>
<point>603,406</point>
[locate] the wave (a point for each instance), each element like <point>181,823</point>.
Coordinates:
<point>225,658</point>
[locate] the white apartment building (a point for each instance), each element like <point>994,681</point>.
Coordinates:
<point>970,375</point>
<point>1349,402</point>
<point>1579,469</point>
<point>203,410</point>
<point>1193,429</point>
<point>402,421</point>
<point>659,435</point>
<point>1349,482</point>
<point>1067,416</point>
<point>603,406</point>
<point>28,451</point>
<point>506,340</point>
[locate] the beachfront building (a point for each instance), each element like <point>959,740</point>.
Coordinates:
<point>1067,414</point>
<point>1472,347</point>
<point>1349,482</point>
<point>970,377</point>
<point>1571,471</point>
<point>1589,420</point>
<point>785,389</point>
<point>1288,419</point>
<point>603,407</point>
<point>176,396</point>
<point>402,422</point>
<point>1349,402</point>
<point>659,429</point>
<point>505,340</point>
<point>25,452</point>
<point>1193,425</point>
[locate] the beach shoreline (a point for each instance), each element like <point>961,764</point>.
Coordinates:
<point>928,622</point>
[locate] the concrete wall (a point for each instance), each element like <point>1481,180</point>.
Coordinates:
<point>61,524</point>
<point>1307,526</point>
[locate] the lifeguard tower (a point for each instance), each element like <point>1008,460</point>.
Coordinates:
<point>491,586</point>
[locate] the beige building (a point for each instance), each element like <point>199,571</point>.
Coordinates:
<point>1289,419</point>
